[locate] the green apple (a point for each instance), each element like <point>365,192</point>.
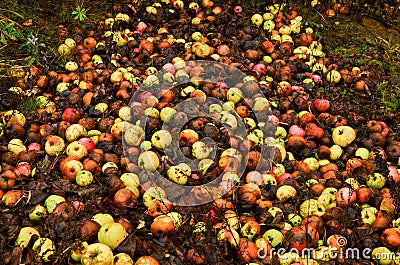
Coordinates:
<point>295,219</point>
<point>51,202</point>
<point>234,94</point>
<point>84,178</point>
<point>200,150</point>
<point>274,236</point>
<point>285,192</point>
<point>148,160</point>
<point>167,113</point>
<point>37,212</point>
<point>376,180</point>
<point>122,259</point>
<point>336,152</point>
<point>16,146</point>
<point>76,254</point>
<point>383,255</point>
<point>328,200</point>
<point>274,210</point>
<point>310,207</point>
<point>44,248</point>
<point>97,254</point>
<point>25,235</point>
<point>130,179</point>
<point>343,135</point>
<point>112,234</point>
<point>257,19</point>
<point>368,215</point>
<point>103,218</point>
<point>363,153</point>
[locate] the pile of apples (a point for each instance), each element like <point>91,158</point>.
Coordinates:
<point>78,172</point>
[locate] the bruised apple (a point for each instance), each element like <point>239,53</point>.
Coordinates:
<point>112,234</point>
<point>97,254</point>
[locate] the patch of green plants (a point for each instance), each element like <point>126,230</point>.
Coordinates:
<point>9,32</point>
<point>389,95</point>
<point>29,104</point>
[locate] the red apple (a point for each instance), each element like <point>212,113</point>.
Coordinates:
<point>88,143</point>
<point>321,105</point>
<point>345,196</point>
<point>23,169</point>
<point>394,174</point>
<point>34,147</point>
<point>71,115</point>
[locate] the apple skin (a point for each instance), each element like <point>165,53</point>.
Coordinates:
<point>97,254</point>
<point>37,212</point>
<point>45,248</point>
<point>77,149</point>
<point>54,145</point>
<point>321,105</point>
<point>88,143</point>
<point>112,234</point>
<point>71,115</point>
<point>71,169</point>
<point>25,235</point>
<point>146,260</point>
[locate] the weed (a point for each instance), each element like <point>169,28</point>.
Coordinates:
<point>79,13</point>
<point>29,104</point>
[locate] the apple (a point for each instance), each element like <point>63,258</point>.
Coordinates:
<point>51,202</point>
<point>167,113</point>
<point>148,160</point>
<point>34,147</point>
<point>179,174</point>
<point>327,200</point>
<point>394,173</point>
<point>295,219</point>
<point>343,135</point>
<point>376,180</point>
<point>112,234</point>
<point>234,94</point>
<point>103,218</point>
<point>345,196</point>
<point>146,260</point>
<point>161,139</point>
<point>200,150</point>
<point>229,235</point>
<point>130,180</point>
<point>71,115</point>
<point>250,229</point>
<point>54,145</point>
<point>16,146</point>
<point>257,19</point>
<point>285,192</point>
<point>88,143</point>
<point>74,131</point>
<point>310,207</point>
<point>275,237</point>
<point>76,254</point>
<point>322,105</point>
<point>37,212</point>
<point>97,254</point>
<point>134,135</point>
<point>71,168</point>
<point>122,259</point>
<point>362,152</point>
<point>383,255</point>
<point>44,248</point>
<point>335,152</point>
<point>76,149</point>
<point>84,178</point>
<point>23,169</point>
<point>152,194</point>
<point>333,76</point>
<point>368,215</point>
<point>391,238</point>
<point>25,235</point>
